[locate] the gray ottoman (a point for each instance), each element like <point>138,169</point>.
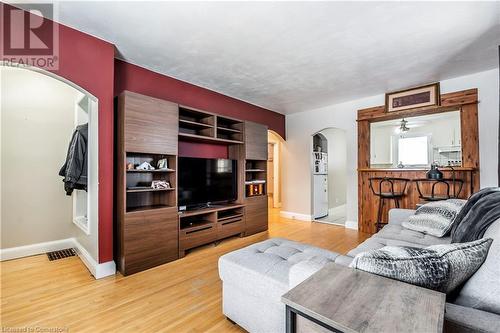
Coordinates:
<point>254,279</point>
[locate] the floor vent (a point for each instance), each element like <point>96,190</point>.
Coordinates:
<point>56,255</point>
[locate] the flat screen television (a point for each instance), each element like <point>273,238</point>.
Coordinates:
<point>205,181</point>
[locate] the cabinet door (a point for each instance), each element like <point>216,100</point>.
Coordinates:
<point>150,239</point>
<point>255,214</point>
<point>151,125</point>
<point>255,141</point>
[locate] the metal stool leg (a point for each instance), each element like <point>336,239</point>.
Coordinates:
<point>379,214</point>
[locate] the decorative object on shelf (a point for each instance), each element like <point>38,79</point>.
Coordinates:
<point>412,98</point>
<point>160,184</point>
<point>162,164</point>
<point>434,172</point>
<point>403,128</point>
<point>130,166</point>
<point>255,187</point>
<point>145,166</point>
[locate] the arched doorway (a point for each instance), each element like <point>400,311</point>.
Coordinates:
<point>328,174</point>
<point>274,177</point>
<point>40,111</point>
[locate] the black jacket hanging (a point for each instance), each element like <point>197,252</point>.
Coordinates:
<point>74,169</point>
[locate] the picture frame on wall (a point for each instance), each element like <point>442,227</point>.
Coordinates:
<point>412,98</point>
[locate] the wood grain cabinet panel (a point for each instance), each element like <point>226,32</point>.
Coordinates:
<point>255,141</point>
<point>151,125</point>
<point>230,228</point>
<point>193,238</point>
<point>256,215</point>
<point>150,239</point>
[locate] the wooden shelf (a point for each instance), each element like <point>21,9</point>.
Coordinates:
<point>228,129</point>
<point>208,139</point>
<point>229,217</point>
<point>150,171</point>
<point>209,210</point>
<point>196,225</point>
<point>148,207</point>
<point>190,123</point>
<point>148,189</point>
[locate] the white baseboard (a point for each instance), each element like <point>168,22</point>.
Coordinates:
<point>295,216</point>
<point>351,225</point>
<point>337,211</point>
<point>96,269</point>
<point>34,249</point>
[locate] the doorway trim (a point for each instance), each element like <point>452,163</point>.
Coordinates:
<point>346,223</point>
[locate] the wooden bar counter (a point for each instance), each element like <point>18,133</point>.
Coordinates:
<point>464,101</point>
<point>368,202</point>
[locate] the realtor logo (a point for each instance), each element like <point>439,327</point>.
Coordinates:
<point>29,35</point>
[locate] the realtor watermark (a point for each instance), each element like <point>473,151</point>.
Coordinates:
<point>29,35</point>
<point>34,329</point>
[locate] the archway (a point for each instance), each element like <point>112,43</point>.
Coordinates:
<point>40,112</point>
<point>328,174</point>
<point>274,176</point>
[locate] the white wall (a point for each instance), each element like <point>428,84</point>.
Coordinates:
<point>37,122</point>
<point>300,127</point>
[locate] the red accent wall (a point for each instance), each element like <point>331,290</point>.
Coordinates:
<point>89,63</point>
<point>140,80</point>
<point>203,150</point>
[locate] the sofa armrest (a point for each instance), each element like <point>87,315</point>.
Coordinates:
<point>399,215</point>
<point>461,319</point>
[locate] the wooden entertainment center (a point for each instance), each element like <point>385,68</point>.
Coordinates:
<point>150,230</point>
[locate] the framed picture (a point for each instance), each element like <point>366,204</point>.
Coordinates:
<point>412,98</point>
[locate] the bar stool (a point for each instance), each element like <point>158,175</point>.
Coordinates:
<point>396,191</point>
<point>449,184</point>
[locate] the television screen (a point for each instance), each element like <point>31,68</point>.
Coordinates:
<point>203,181</point>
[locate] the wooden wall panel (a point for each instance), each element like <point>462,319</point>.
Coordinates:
<point>255,141</point>
<point>363,144</point>
<point>368,202</point>
<point>466,102</point>
<point>151,125</point>
<point>449,102</point>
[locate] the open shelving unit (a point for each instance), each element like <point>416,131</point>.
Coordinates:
<point>201,126</point>
<point>207,225</point>
<point>146,228</point>
<point>140,195</point>
<point>229,129</point>
<point>255,178</point>
<point>150,230</point>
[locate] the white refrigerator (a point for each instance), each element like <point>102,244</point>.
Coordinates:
<point>320,185</point>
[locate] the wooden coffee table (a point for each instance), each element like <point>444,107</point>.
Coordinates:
<point>342,299</point>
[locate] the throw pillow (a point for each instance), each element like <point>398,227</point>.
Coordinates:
<point>435,218</point>
<point>438,267</point>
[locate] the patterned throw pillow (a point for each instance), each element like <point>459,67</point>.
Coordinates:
<point>435,218</point>
<point>438,267</point>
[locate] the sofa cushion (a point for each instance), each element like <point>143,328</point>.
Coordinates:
<point>375,243</point>
<point>263,268</point>
<point>435,218</point>
<point>482,290</point>
<point>440,267</point>
<point>400,233</point>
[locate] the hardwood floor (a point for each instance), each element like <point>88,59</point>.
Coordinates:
<point>182,296</point>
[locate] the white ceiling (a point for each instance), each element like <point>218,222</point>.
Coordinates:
<point>296,56</point>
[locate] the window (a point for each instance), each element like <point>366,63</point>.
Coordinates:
<point>413,150</point>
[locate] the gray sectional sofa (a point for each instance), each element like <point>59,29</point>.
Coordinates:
<point>254,278</point>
